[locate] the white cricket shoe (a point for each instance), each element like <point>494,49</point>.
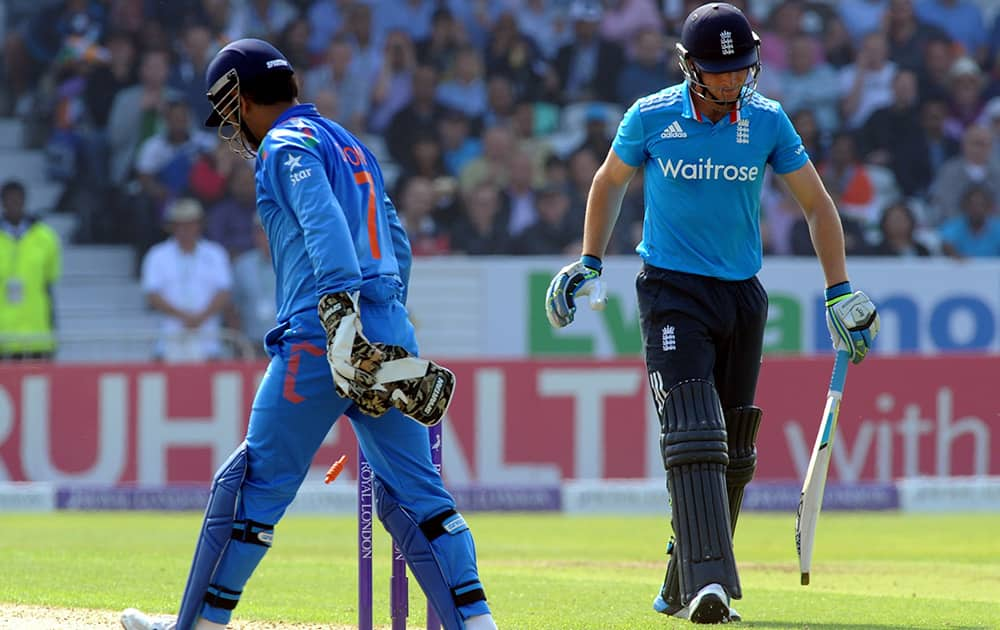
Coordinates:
<point>133,619</point>
<point>684,612</point>
<point>710,605</point>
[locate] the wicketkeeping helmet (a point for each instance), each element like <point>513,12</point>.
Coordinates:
<point>240,63</point>
<point>716,38</point>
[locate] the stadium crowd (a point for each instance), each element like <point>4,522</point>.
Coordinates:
<point>491,117</point>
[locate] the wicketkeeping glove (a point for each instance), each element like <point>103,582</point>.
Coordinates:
<point>353,359</point>
<point>580,278</point>
<point>852,320</point>
<point>419,388</point>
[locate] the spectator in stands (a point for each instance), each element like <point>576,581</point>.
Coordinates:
<point>439,49</point>
<point>866,84</point>
<point>30,256</point>
<point>861,190</point>
<point>623,20</point>
<point>961,19</point>
<point>458,145</point>
<point>413,16</point>
<point>813,138</point>
<point>230,222</point>
<point>543,23</point>
<point>854,238</point>
<point>892,137</point>
<point>337,74</point>
<point>862,16</point>
<point>465,88</point>
<point>480,228</point>
<point>935,72</point>
<point>588,65</point>
<point>137,113</point>
<point>976,231</point>
<point>422,112</point>
<point>196,48</point>
<point>417,209</point>
<point>940,147</point>
<point>367,47</point>
<point>294,43</point>
<point>164,161</point>
<point>425,157</point>
<point>837,44</point>
<point>805,83</point>
<point>596,137</point>
<point>187,280</point>
<point>253,289</point>
<point>908,36</point>
<point>897,231</point>
<point>105,80</point>
<point>991,120</point>
<point>494,164</point>
<point>391,90</point>
<point>326,18</point>
<point>975,165</point>
<point>519,194</point>
<point>783,24</point>
<point>651,68</point>
<point>582,166</point>
<point>260,18</point>
<point>500,101</point>
<point>966,96</point>
<point>552,232</point>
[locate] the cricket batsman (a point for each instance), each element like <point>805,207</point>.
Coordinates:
<point>343,345</point>
<point>704,145</point>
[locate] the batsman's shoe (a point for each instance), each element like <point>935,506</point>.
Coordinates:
<point>684,612</point>
<point>133,619</point>
<point>710,605</point>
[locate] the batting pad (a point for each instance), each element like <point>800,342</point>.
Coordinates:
<point>695,454</point>
<point>742,424</point>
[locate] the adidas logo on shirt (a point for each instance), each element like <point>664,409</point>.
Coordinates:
<point>674,130</point>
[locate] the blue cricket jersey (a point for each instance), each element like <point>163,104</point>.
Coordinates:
<point>703,180</point>
<point>330,224</point>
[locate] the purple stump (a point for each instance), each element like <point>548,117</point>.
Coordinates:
<point>399,594</point>
<point>433,623</point>
<point>365,514</point>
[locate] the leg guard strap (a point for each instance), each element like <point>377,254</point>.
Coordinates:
<point>221,597</point>
<point>253,532</point>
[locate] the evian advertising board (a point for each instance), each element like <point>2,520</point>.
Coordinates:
<point>512,422</point>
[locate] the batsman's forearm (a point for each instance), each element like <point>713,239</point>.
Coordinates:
<point>603,206</point>
<point>827,235</point>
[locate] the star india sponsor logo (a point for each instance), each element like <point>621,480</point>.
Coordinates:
<point>295,162</point>
<point>674,130</point>
<point>704,168</point>
<point>726,41</point>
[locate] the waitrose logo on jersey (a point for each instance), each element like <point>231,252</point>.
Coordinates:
<point>704,168</point>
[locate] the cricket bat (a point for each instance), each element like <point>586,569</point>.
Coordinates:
<point>811,499</point>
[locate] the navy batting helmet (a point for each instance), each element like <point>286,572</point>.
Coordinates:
<point>716,38</point>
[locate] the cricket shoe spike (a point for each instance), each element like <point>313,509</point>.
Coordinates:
<point>684,612</point>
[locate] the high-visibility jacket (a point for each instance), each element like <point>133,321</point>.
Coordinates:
<point>29,266</point>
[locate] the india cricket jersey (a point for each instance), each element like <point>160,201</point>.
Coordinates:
<point>330,224</point>
<point>703,180</point>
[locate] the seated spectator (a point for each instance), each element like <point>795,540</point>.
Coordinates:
<point>961,19</point>
<point>805,84</point>
<point>897,230</point>
<point>935,72</point>
<point>862,16</point>
<point>976,231</point>
<point>196,48</point>
<point>230,222</point>
<point>465,88</point>
<point>813,138</point>
<point>30,255</point>
<point>837,44</point>
<point>583,164</point>
<point>892,137</point>
<point>519,194</point>
<point>866,84</point>
<point>588,64</point>
<point>391,89</point>
<point>481,227</point>
<point>854,238</point>
<point>553,232</point>
<point>187,280</point>
<point>164,162</point>
<point>440,47</point>
<point>908,35</point>
<point>542,22</point>
<point>975,165</point>
<point>651,69</point>
<point>940,146</point>
<point>422,112</point>
<point>253,290</point>
<point>500,103</point>
<point>425,157</point>
<point>623,20</point>
<point>514,57</point>
<point>860,190</point>
<point>966,96</point>
<point>458,144</point>
<point>337,74</point>
<point>492,165</point>
<point>597,137</point>
<point>260,18</point>
<point>416,211</point>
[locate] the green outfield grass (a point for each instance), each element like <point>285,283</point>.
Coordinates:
<point>542,572</point>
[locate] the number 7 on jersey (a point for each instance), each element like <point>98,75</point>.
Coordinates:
<point>811,499</point>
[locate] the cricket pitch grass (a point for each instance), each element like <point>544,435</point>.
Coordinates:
<point>541,572</point>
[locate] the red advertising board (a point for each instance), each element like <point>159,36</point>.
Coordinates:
<point>511,421</point>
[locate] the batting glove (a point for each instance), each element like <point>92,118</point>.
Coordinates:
<point>580,278</point>
<point>852,319</point>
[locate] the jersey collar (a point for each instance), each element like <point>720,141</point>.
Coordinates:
<point>302,109</point>
<point>690,111</point>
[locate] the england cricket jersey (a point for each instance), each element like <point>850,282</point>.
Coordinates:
<point>330,224</point>
<point>703,180</point>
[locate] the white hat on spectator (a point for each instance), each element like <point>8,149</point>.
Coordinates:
<point>965,67</point>
<point>184,210</point>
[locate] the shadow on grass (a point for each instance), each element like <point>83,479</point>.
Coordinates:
<point>783,625</point>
